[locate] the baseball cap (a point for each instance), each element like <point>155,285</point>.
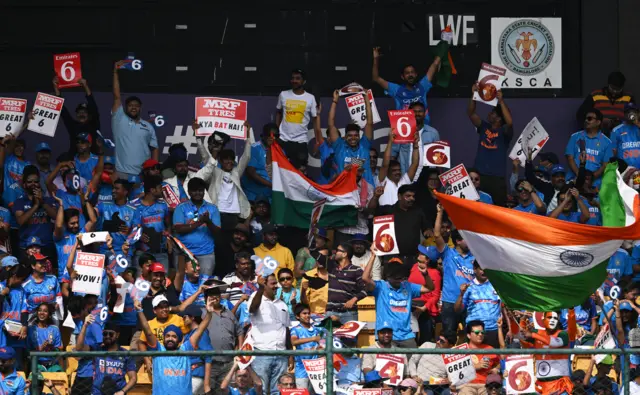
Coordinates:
<point>322,232</point>
<point>261,199</point>
<point>110,160</point>
<point>192,311</point>
<point>430,253</point>
<point>34,241</point>
<point>43,147</point>
<point>372,376</point>
<point>494,378</point>
<point>39,257</point>
<point>383,326</point>
<point>359,238</point>
<point>149,163</point>
<point>156,267</point>
<point>133,179</point>
<point>219,138</point>
<point>409,383</point>
<point>84,137</point>
<point>268,228</point>
<point>9,261</point>
<point>7,353</point>
<point>631,106</point>
<point>558,169</point>
<point>626,306</point>
<point>159,299</point>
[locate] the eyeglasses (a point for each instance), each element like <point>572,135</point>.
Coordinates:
<point>339,250</point>
<point>401,389</point>
<point>285,279</point>
<point>478,332</point>
<point>590,118</point>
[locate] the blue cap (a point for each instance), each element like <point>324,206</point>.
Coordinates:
<point>429,252</point>
<point>384,325</point>
<point>7,353</point>
<point>84,137</point>
<point>109,159</point>
<point>372,376</point>
<point>34,241</point>
<point>134,179</point>
<point>558,169</point>
<point>359,238</point>
<point>322,232</point>
<point>43,147</point>
<point>626,306</point>
<point>9,261</point>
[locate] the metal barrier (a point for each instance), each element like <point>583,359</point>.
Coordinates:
<point>329,351</point>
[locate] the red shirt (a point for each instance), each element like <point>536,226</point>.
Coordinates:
<point>432,298</point>
<point>494,360</point>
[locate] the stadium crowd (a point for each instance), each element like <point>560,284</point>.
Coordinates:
<point>192,266</point>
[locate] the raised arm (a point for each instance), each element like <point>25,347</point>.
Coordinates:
<point>459,305</point>
<point>246,155</point>
<point>366,275</point>
<point>540,206</point>
<point>386,158</point>
<point>332,132</point>
<point>415,158</point>
<point>374,71</point>
<point>58,230</point>
<point>187,302</point>
<point>257,298</point>
<point>117,101</point>
<point>368,127</point>
<point>195,338</point>
<point>437,235</point>
<point>80,346</point>
<point>152,340</point>
<point>227,379</point>
<point>471,109</point>
<point>558,210</point>
<point>433,69</point>
<point>506,114</point>
<point>584,210</point>
<point>317,129</point>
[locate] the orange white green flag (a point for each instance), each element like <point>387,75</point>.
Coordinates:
<point>543,264</point>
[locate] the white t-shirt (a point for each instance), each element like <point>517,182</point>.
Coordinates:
<point>269,324</point>
<point>390,195</point>
<point>228,196</point>
<point>297,111</point>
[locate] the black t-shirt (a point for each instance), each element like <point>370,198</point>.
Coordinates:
<point>170,293</point>
<point>226,257</point>
<point>409,225</point>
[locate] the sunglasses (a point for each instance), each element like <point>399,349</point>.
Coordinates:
<point>286,384</point>
<point>340,250</point>
<point>478,332</point>
<point>493,386</point>
<point>401,389</point>
<point>285,279</point>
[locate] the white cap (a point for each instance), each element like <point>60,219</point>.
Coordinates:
<point>159,299</point>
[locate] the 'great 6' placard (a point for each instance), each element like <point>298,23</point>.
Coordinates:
<point>403,124</point>
<point>68,70</point>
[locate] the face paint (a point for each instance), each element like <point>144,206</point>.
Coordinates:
<point>552,320</point>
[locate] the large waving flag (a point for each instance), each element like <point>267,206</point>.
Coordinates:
<point>539,263</point>
<point>294,194</point>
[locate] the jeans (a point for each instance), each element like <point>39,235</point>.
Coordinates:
<point>207,263</point>
<point>344,316</point>
<point>450,319</point>
<point>269,369</point>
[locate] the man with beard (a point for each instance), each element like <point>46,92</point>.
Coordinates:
<point>391,177</point>
<point>43,162</point>
<point>118,217</point>
<point>109,372</point>
<point>295,109</point>
<point>257,178</point>
<point>243,277</point>
<point>384,340</point>
<point>87,117</point>
<point>85,161</point>
<point>353,147</point>
<point>411,220</point>
<point>65,233</point>
<point>230,245</point>
<point>457,266</point>
<point>135,138</point>
<point>361,255</point>
<point>553,370</point>
<point>610,100</point>
<point>172,373</point>
<point>275,250</point>
<point>150,168</point>
<point>34,212</point>
<point>179,183</point>
<point>11,383</point>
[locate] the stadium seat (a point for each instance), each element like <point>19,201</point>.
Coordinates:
<point>60,381</point>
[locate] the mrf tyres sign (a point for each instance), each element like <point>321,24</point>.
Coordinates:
<point>221,114</point>
<point>89,271</point>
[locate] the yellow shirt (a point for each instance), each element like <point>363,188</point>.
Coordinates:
<point>158,328</point>
<point>317,298</point>
<point>281,254</point>
<point>431,242</point>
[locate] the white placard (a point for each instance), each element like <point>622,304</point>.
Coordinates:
<point>384,230</point>
<point>122,288</point>
<point>357,109</point>
<point>533,135</point>
<point>520,375</point>
<point>317,372</point>
<point>221,114</point>
<point>94,237</point>
<point>350,88</point>
<point>390,367</point>
<point>460,369</point>
<point>458,183</point>
<point>489,81</point>
<point>89,270</point>
<point>12,113</point>
<point>531,51</point>
<point>604,341</point>
<point>437,154</point>
<point>246,360</point>
<point>46,111</point>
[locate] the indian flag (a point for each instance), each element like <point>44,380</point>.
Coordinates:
<point>539,263</point>
<point>294,194</point>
